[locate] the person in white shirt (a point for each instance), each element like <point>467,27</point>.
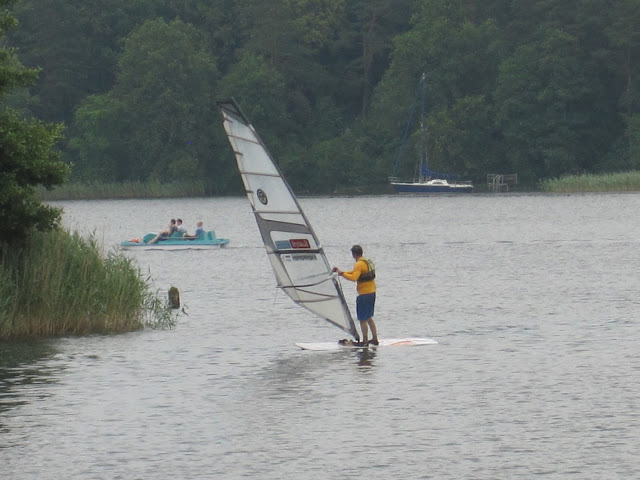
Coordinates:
<point>182,228</point>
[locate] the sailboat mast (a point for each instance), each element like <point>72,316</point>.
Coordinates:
<point>424,179</point>
<point>423,134</point>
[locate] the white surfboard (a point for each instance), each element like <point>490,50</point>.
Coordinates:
<point>386,342</point>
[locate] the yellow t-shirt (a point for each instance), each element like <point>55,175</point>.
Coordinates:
<point>358,269</point>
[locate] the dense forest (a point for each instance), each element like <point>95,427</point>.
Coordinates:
<point>541,88</point>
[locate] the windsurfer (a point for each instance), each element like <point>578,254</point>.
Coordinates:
<point>364,274</point>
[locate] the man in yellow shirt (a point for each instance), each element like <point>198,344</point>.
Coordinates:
<point>364,274</point>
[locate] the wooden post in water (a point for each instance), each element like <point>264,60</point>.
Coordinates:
<point>174,297</point>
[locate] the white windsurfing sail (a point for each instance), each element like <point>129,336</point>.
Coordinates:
<point>297,258</point>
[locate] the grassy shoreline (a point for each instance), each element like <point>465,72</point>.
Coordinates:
<point>57,283</point>
<point>112,191</point>
<point>591,183</point>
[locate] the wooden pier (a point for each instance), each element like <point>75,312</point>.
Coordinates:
<point>499,182</point>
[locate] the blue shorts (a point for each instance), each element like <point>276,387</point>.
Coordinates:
<point>365,305</point>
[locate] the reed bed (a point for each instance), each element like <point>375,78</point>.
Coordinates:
<point>609,182</point>
<point>103,191</point>
<point>59,283</point>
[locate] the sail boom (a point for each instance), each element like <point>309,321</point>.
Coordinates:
<point>300,286</point>
<point>320,299</point>
<point>307,301</point>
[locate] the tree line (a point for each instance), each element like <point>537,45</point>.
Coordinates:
<point>540,88</point>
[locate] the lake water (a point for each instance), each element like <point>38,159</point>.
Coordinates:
<point>532,298</point>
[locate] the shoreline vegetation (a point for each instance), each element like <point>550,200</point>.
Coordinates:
<point>59,284</point>
<point>125,190</point>
<point>588,183</point>
<point>585,183</point>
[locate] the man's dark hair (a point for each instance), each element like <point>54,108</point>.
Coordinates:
<point>357,250</point>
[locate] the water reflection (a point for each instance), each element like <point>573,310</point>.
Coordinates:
<point>366,357</point>
<point>23,365</point>
<point>307,372</point>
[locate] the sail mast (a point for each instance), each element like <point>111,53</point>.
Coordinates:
<point>423,165</point>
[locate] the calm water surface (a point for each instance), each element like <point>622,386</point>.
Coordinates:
<point>533,300</point>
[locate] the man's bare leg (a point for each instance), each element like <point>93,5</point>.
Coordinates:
<point>365,331</point>
<point>374,330</point>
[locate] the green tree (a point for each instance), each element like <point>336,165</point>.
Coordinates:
<point>538,87</point>
<point>167,79</point>
<point>361,50</point>
<point>460,139</point>
<point>27,155</point>
<point>159,112</point>
<point>76,43</point>
<point>293,37</point>
<point>258,88</point>
<point>223,28</point>
<point>623,33</point>
<point>100,121</point>
<point>550,106</point>
<point>632,134</point>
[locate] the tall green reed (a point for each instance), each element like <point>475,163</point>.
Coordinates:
<point>103,190</point>
<point>59,283</point>
<point>609,182</point>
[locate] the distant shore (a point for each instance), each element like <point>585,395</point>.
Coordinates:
<point>105,191</point>
<point>586,183</point>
